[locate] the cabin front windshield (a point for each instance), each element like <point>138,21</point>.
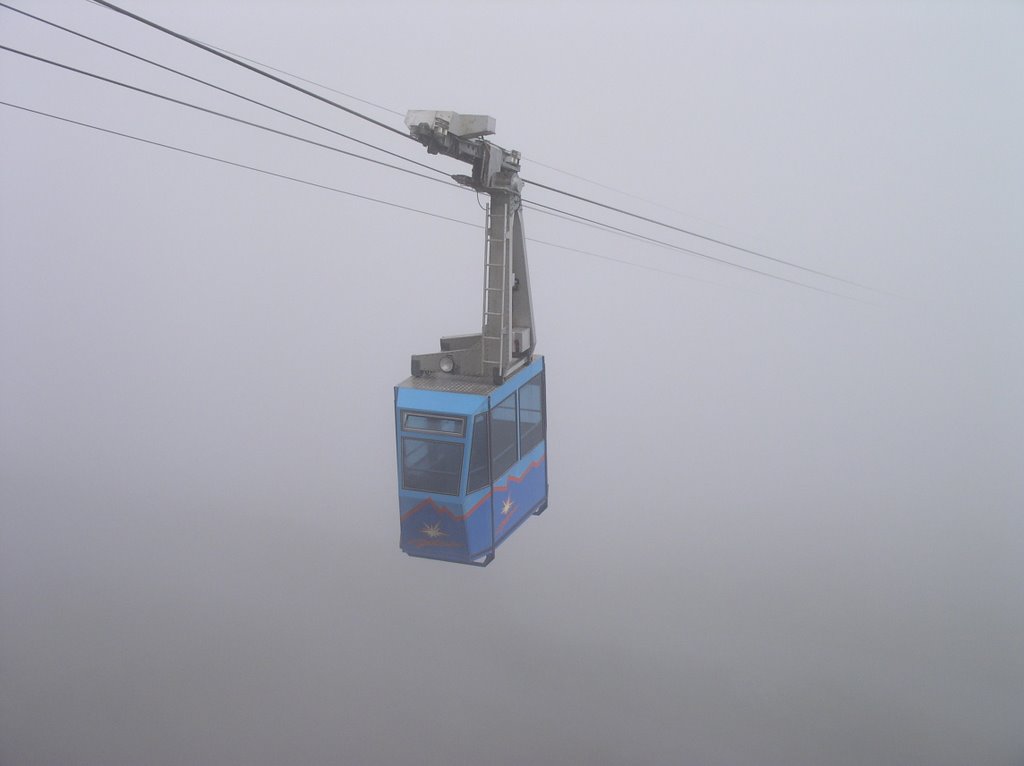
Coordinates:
<point>429,465</point>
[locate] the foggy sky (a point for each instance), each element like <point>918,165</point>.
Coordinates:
<point>784,526</point>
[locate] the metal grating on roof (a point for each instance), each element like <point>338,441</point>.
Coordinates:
<point>455,383</point>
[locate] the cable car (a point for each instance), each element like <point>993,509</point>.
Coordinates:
<point>472,463</point>
<point>470,422</point>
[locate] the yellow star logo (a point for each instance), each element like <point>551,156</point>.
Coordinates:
<point>506,507</point>
<point>433,531</point>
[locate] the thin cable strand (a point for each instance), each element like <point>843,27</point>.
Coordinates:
<point>239,165</point>
<point>695,234</point>
<point>250,67</point>
<point>403,170</point>
<point>324,187</point>
<point>623,261</point>
<point>233,59</point>
<point>565,215</point>
<point>534,161</point>
<point>215,113</point>
<point>672,246</point>
<point>307,80</point>
<point>224,90</point>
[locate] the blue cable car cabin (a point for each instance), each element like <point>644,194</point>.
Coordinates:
<point>472,462</point>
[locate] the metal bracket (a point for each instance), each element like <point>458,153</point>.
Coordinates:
<point>508,335</point>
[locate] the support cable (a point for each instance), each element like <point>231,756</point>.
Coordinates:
<point>553,212</point>
<point>240,165</point>
<point>544,209</point>
<point>397,113</point>
<point>215,113</point>
<point>401,169</point>
<point>540,208</point>
<point>534,161</point>
<point>564,215</point>
<point>311,82</point>
<point>336,190</point>
<point>223,90</point>
<point>250,67</point>
<point>694,234</point>
<point>623,261</point>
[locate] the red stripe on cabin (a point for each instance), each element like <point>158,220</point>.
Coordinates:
<point>442,509</point>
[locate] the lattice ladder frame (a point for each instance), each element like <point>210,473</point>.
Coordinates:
<point>497,308</point>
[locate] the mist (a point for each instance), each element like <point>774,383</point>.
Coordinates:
<point>784,523</point>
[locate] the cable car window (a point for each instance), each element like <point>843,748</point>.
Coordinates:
<point>531,414</point>
<point>436,424</point>
<point>504,449</point>
<point>479,470</point>
<point>432,466</point>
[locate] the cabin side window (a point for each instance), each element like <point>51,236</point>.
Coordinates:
<point>479,466</point>
<point>504,446</point>
<point>531,414</point>
<point>432,466</point>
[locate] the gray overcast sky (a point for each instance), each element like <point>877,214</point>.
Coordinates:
<point>785,528</point>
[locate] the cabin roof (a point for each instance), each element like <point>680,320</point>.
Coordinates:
<point>458,384</point>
